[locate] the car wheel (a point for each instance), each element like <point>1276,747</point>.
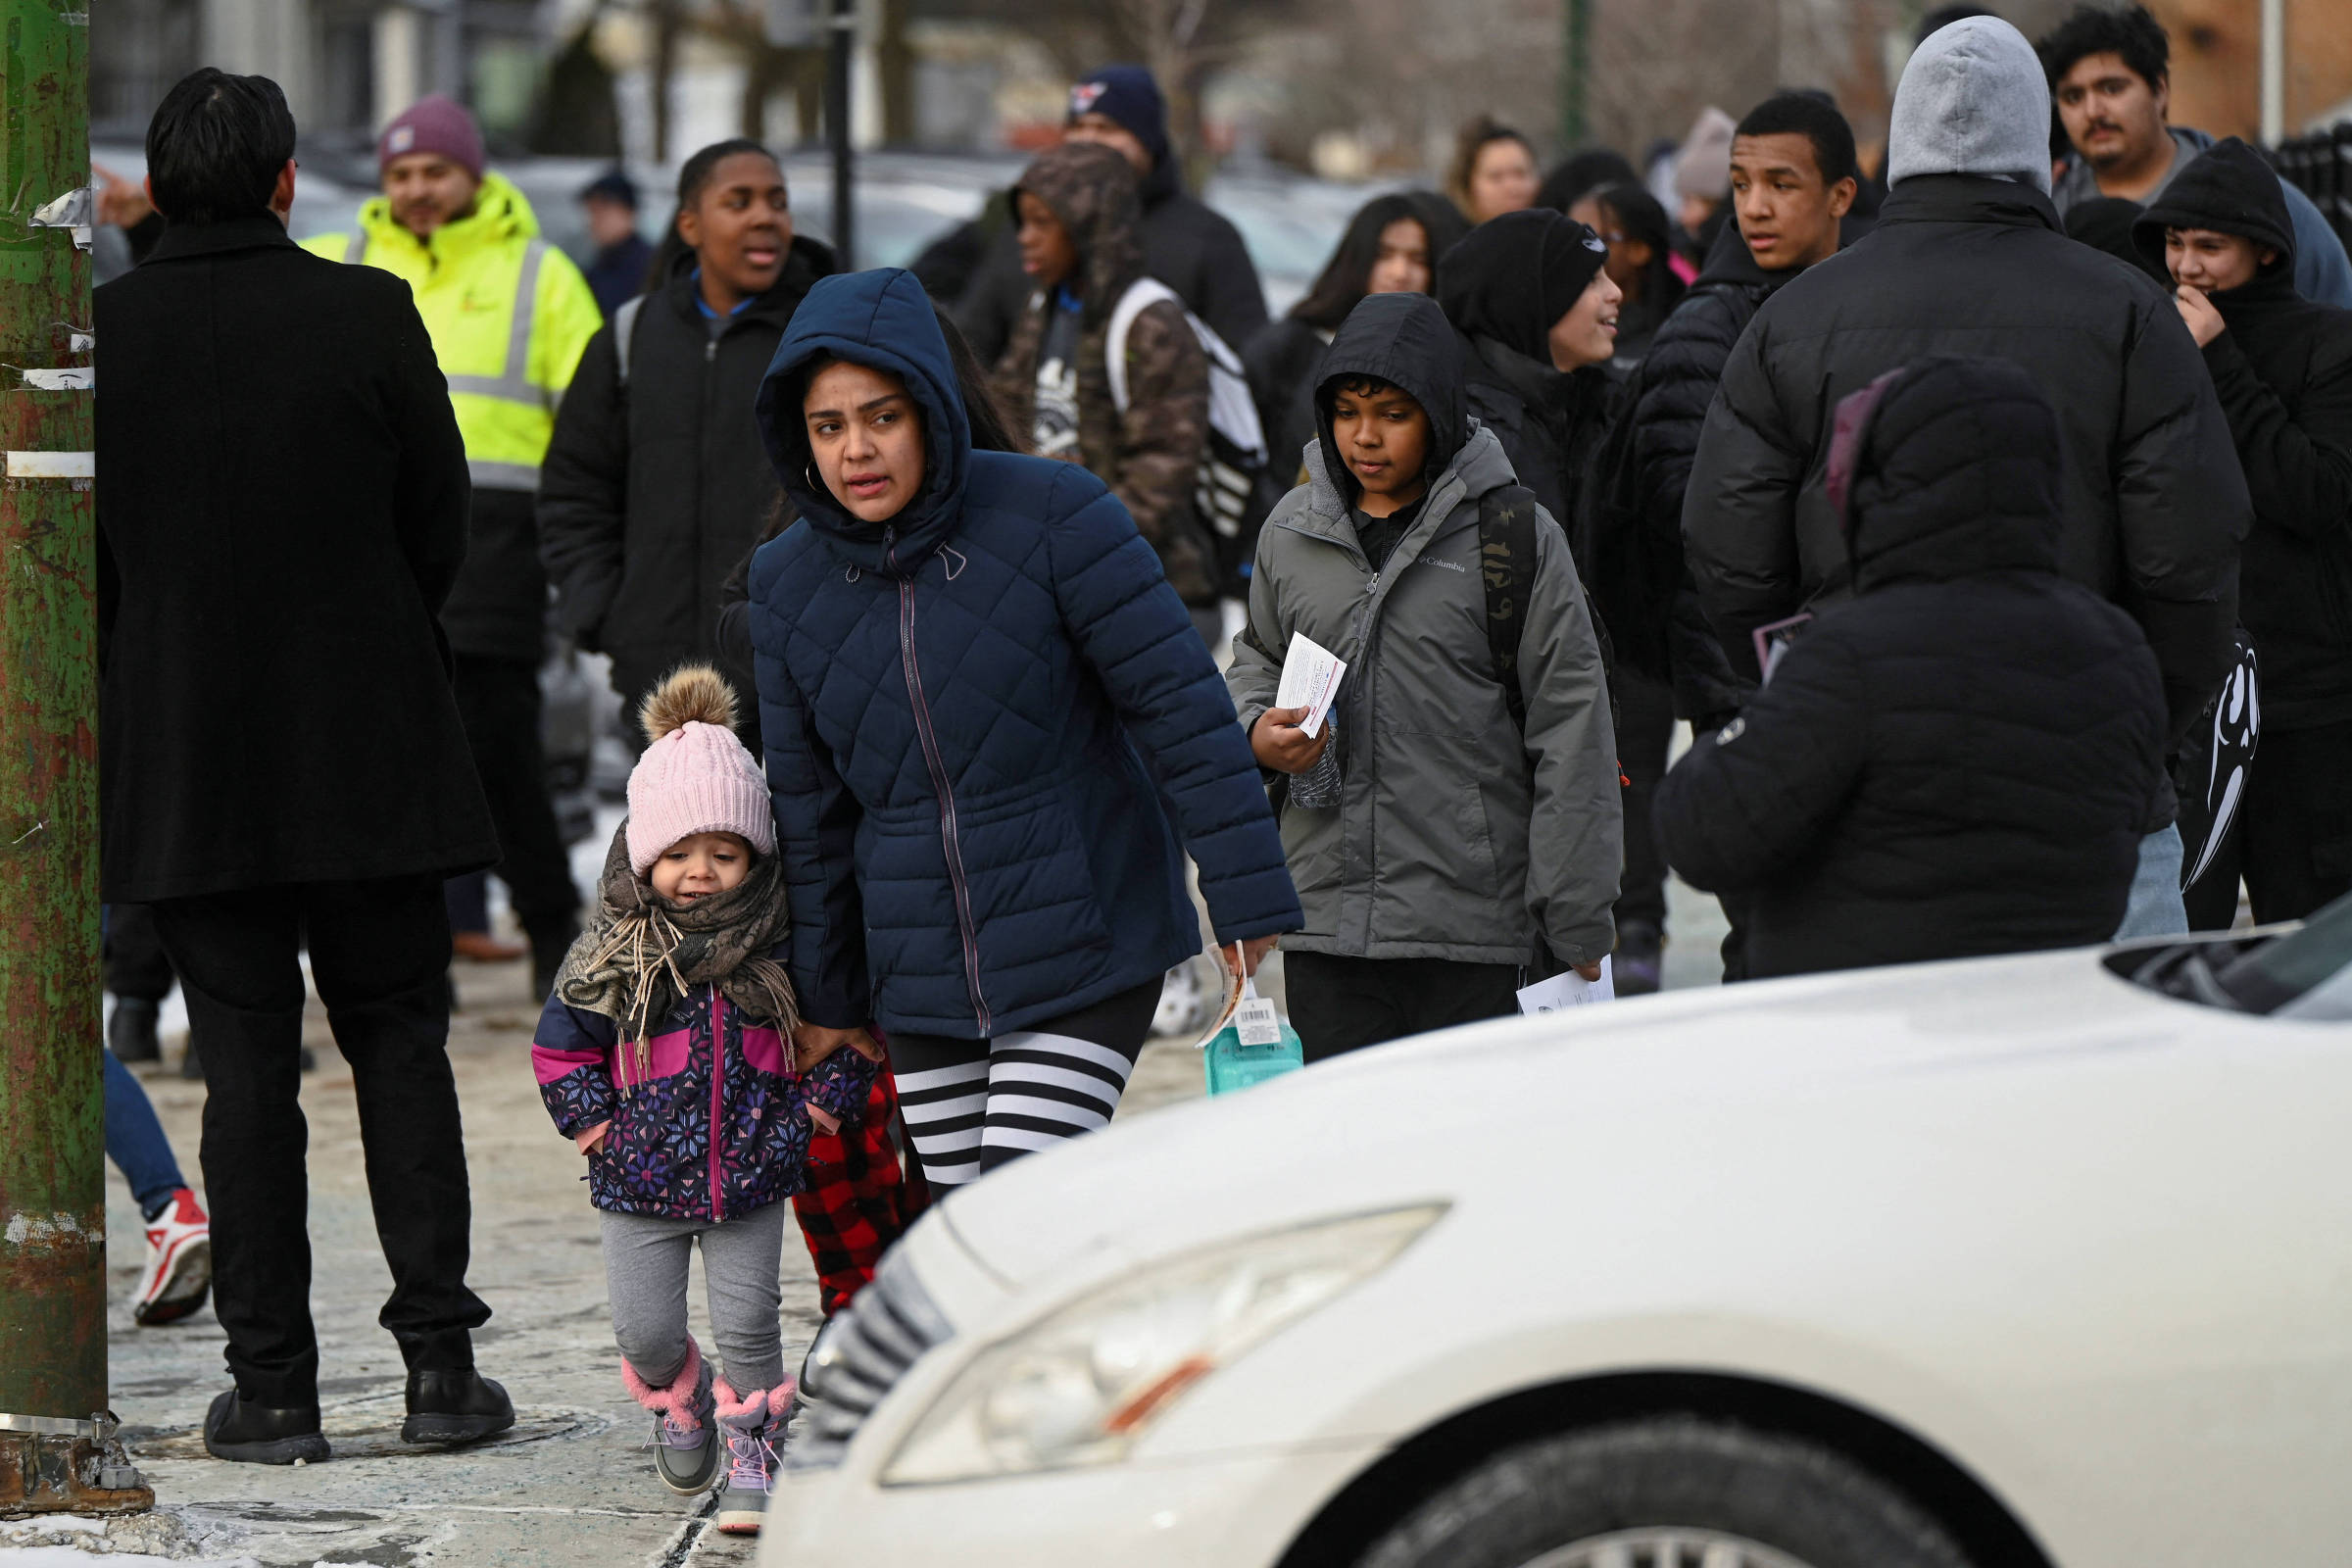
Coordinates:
<point>1673,1491</point>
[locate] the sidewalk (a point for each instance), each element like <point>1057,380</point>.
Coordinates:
<point>572,1480</point>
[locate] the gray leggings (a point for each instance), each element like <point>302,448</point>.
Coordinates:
<point>645,1273</point>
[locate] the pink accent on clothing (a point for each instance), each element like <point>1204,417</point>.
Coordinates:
<point>674,1402</point>
<point>696,779</point>
<point>1681,267</point>
<point>764,1049</point>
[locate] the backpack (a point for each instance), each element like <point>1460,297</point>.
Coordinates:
<point>1506,556</point>
<point>624,335</point>
<point>1233,469</point>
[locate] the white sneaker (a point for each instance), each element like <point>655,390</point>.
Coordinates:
<point>1188,997</point>
<point>180,1262</point>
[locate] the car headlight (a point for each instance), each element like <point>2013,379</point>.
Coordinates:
<point>1079,1385</point>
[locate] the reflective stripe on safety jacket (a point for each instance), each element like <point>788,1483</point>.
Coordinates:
<point>509,314</point>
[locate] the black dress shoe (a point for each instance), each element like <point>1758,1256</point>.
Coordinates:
<point>236,1428</point>
<point>131,1030</point>
<point>461,1407</point>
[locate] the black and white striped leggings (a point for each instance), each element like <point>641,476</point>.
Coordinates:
<point>972,1104</point>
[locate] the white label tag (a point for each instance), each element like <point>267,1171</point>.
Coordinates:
<point>1258,1023</point>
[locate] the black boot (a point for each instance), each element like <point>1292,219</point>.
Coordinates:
<point>235,1428</point>
<point>461,1407</point>
<point>130,1032</point>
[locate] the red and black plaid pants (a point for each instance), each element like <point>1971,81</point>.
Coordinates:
<point>863,1194</point>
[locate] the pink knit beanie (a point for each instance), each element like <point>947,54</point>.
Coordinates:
<point>695,777</point>
<point>434,125</point>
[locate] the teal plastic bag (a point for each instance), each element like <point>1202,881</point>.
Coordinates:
<point>1256,1044</point>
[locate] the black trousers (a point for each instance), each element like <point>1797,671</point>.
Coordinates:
<point>379,952</point>
<point>2292,840</point>
<point>1644,731</point>
<point>135,965</point>
<point>1340,1004</point>
<point>498,702</point>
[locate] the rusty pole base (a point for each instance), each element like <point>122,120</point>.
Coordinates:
<point>52,1473</point>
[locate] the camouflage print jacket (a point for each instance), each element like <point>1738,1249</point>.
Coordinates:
<point>1151,455</point>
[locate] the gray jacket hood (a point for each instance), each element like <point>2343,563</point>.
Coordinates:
<point>1973,101</point>
<point>1404,340</point>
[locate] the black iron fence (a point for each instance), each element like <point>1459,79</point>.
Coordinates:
<point>2319,164</point>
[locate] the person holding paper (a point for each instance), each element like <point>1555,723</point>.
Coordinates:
<point>1960,758</point>
<point>1455,817</point>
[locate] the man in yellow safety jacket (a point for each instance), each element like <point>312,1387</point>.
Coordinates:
<point>509,314</point>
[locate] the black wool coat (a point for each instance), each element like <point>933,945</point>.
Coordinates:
<point>1961,758</point>
<point>281,511</point>
<point>651,492</point>
<point>2154,503</point>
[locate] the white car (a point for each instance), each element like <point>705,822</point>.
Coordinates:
<point>2041,1261</point>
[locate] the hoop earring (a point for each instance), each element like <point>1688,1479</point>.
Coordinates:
<point>809,472</point>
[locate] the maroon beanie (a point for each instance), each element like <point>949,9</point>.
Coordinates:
<point>434,125</point>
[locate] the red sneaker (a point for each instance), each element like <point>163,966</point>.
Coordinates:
<point>180,1262</point>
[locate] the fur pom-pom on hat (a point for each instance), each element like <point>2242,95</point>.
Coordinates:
<point>694,776</point>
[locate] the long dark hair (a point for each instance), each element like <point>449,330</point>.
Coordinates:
<point>1637,213</point>
<point>1348,272</point>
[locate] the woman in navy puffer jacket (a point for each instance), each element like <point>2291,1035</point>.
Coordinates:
<point>988,721</point>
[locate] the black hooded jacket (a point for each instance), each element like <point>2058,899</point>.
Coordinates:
<point>1635,553</point>
<point>1959,760</point>
<point>1503,288</point>
<point>651,492</point>
<point>2154,505</point>
<point>2282,371</point>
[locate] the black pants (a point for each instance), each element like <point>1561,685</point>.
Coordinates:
<point>498,702</point>
<point>2292,840</point>
<point>1340,1004</point>
<point>379,952</point>
<point>135,965</point>
<point>1644,731</point>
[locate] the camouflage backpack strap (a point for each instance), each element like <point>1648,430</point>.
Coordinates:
<point>1506,556</point>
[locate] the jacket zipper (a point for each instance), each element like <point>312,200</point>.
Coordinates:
<point>946,802</point>
<point>718,1078</point>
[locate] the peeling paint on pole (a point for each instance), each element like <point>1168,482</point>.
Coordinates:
<point>52,1121</point>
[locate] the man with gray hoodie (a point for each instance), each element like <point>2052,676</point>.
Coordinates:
<point>1969,258</point>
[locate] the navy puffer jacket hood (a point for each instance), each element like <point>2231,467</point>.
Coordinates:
<point>883,319</point>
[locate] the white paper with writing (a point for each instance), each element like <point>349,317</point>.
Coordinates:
<point>1568,989</point>
<point>1310,678</point>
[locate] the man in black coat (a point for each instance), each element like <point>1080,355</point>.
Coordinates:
<point>1187,244</point>
<point>1793,185</point>
<point>2282,367</point>
<point>282,510</point>
<point>655,482</point>
<point>1969,257</point>
<point>1958,760</point>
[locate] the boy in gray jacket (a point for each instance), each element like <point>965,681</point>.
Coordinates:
<point>1455,847</point>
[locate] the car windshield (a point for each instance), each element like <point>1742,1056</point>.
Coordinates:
<point>2305,973</point>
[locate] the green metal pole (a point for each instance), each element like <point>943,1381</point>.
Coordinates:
<point>52,1105</point>
<point>1576,69</point>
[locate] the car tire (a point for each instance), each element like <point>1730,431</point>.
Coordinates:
<point>1617,1494</point>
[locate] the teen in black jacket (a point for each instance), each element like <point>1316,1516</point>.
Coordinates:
<point>1959,760</point>
<point>2282,369</point>
<point>651,491</point>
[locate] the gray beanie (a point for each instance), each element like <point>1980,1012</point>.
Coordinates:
<point>1973,101</point>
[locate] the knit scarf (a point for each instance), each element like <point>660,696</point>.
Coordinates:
<point>642,955</point>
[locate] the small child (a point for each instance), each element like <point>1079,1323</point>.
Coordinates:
<point>665,1054</point>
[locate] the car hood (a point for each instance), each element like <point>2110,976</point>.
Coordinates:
<point>1468,1111</point>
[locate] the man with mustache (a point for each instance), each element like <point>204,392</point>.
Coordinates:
<point>508,315</point>
<point>2111,79</point>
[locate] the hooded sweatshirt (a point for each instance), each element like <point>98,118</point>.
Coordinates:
<point>1502,288</point>
<point>959,703</point>
<point>1150,456</point>
<point>2322,271</point>
<point>1960,759</point>
<point>1970,259</point>
<point>2282,369</point>
<point>1454,837</point>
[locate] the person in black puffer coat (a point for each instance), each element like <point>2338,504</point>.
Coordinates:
<point>1505,287</point>
<point>2282,369</point>
<point>1959,760</point>
<point>655,485</point>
